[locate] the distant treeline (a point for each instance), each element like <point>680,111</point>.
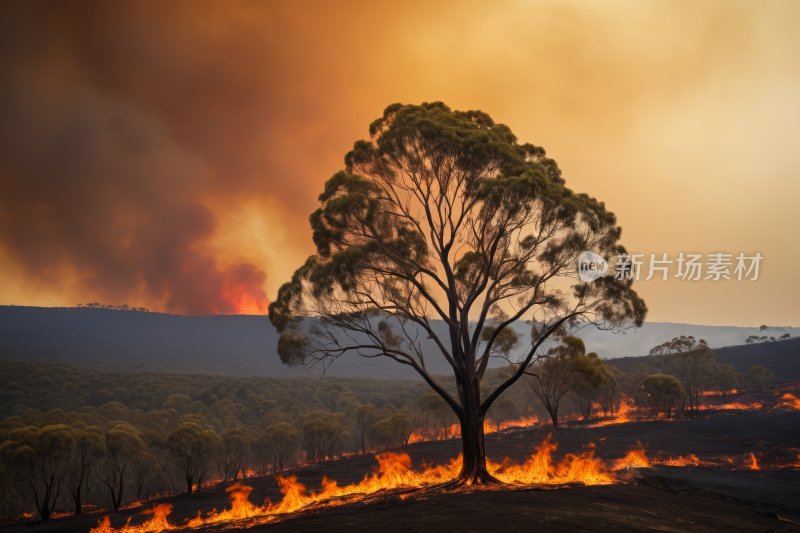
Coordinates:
<point>123,307</point>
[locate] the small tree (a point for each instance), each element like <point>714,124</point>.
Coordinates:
<point>233,453</point>
<point>89,450</point>
<point>121,447</point>
<point>758,377</point>
<point>143,466</point>
<point>589,377</point>
<point>401,428</point>
<point>364,417</point>
<point>501,410</point>
<point>665,392</point>
<point>380,435</point>
<point>282,442</point>
<point>191,450</point>
<point>608,393</point>
<point>553,374</point>
<point>320,433</point>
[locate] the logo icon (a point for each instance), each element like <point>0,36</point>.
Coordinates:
<point>591,266</point>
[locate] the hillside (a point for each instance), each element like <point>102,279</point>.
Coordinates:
<point>104,339</point>
<point>781,357</point>
<point>240,345</point>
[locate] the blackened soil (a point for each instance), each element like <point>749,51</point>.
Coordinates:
<point>606,508</point>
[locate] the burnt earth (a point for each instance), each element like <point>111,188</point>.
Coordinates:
<point>606,508</point>
<point>661,498</point>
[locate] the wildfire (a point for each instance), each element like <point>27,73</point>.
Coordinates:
<point>242,291</point>
<point>394,471</point>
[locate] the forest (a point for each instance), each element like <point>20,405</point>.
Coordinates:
<point>75,439</point>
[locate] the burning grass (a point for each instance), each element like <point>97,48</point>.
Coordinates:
<point>776,458</point>
<point>394,472</point>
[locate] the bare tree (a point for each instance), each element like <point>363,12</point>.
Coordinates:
<point>552,375</point>
<point>443,215</point>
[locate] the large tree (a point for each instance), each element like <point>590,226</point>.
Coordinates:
<point>443,215</point>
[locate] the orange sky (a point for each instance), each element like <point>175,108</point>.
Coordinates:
<point>168,155</point>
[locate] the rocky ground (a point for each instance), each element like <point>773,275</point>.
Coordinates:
<point>662,498</point>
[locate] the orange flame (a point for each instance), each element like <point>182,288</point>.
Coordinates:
<point>394,471</point>
<point>683,460</point>
<point>159,522</point>
<point>454,430</point>
<point>734,406</point>
<point>624,414</point>
<point>539,468</point>
<point>753,464</point>
<point>791,401</point>
<point>635,458</point>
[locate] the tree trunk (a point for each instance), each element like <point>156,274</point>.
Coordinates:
<point>78,501</point>
<point>189,484</point>
<point>553,416</point>
<point>118,503</point>
<point>473,468</point>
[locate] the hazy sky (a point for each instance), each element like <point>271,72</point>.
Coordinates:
<point>168,154</point>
